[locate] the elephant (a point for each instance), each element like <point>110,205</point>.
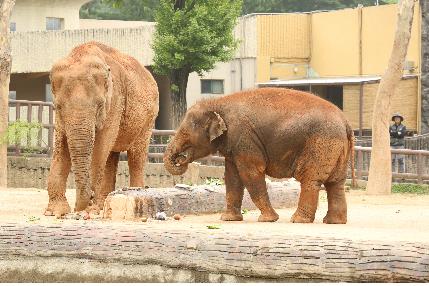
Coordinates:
<point>105,102</point>
<point>279,132</point>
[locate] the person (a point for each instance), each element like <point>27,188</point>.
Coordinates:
<point>397,133</point>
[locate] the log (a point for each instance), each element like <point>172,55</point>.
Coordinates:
<point>258,255</point>
<point>135,203</point>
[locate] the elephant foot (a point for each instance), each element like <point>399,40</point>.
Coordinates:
<point>57,208</point>
<point>299,217</point>
<point>93,209</point>
<point>81,205</point>
<point>270,217</point>
<point>335,218</point>
<point>229,216</point>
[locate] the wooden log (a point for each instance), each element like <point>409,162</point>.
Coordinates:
<point>261,255</point>
<point>134,203</point>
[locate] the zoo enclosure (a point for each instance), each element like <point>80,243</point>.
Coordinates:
<point>416,160</point>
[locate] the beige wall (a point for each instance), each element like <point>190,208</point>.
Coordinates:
<point>335,43</point>
<point>30,15</point>
<point>281,38</point>
<point>378,31</point>
<point>105,24</point>
<point>404,101</point>
<point>37,51</point>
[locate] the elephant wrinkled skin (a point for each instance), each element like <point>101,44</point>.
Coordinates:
<point>278,132</point>
<point>105,102</point>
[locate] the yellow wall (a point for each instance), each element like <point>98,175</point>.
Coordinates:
<point>404,101</point>
<point>335,43</point>
<point>378,30</point>
<point>283,36</point>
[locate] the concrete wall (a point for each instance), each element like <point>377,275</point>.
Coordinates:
<point>30,15</point>
<point>33,173</point>
<point>404,101</point>
<point>110,24</point>
<point>37,51</point>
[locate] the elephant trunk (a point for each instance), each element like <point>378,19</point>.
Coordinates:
<point>173,161</point>
<point>80,139</point>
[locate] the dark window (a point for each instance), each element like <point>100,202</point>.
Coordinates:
<point>212,86</point>
<point>12,26</point>
<point>54,23</point>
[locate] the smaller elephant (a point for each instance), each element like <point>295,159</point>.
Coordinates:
<point>105,103</point>
<point>282,133</point>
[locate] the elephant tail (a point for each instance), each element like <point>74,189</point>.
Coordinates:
<point>351,139</point>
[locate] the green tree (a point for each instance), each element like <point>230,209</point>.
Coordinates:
<point>192,36</point>
<point>136,10</point>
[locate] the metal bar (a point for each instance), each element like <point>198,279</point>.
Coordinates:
<point>17,118</point>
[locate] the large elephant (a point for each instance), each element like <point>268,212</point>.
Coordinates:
<point>105,102</point>
<point>278,132</point>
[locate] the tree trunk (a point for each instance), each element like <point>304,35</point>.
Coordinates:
<point>5,68</point>
<point>380,171</point>
<point>179,82</point>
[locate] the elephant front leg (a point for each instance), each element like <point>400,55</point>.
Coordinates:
<point>337,205</point>
<point>307,204</point>
<point>137,156</point>
<point>57,180</point>
<point>109,179</point>
<point>234,193</point>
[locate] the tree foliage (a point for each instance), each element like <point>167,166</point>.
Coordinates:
<point>194,38</point>
<point>145,9</point>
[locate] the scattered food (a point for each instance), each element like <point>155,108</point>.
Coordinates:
<point>144,219</point>
<point>398,211</point>
<point>177,217</point>
<point>86,216</point>
<point>213,227</point>
<point>160,216</point>
<point>33,218</point>
<point>244,211</point>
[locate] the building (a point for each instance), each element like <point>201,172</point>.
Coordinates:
<point>339,55</point>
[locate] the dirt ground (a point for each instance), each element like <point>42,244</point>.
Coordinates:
<point>397,217</point>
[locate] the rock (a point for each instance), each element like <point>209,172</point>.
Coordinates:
<point>160,216</point>
<point>144,219</point>
<point>177,217</point>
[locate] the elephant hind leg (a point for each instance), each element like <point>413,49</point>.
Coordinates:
<point>337,205</point>
<point>109,179</point>
<point>307,204</point>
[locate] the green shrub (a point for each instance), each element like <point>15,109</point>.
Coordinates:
<point>410,189</point>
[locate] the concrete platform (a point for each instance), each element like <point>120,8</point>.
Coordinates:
<point>386,239</point>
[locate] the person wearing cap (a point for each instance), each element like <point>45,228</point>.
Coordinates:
<point>397,141</point>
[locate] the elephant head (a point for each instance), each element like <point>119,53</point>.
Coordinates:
<point>82,92</point>
<point>195,139</point>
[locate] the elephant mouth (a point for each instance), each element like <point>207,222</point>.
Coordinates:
<point>183,158</point>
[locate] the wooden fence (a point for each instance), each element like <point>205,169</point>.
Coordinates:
<point>416,161</point>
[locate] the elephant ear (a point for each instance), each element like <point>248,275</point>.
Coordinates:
<point>216,126</point>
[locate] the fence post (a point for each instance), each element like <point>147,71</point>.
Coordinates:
<point>17,118</point>
<point>419,168</point>
<point>51,131</point>
<point>359,164</point>
<point>40,119</point>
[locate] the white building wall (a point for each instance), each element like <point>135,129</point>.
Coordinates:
<point>30,15</point>
<point>236,74</point>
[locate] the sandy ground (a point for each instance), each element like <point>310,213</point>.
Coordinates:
<point>397,217</point>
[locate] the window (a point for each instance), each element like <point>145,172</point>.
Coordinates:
<point>212,86</point>
<point>12,26</point>
<point>12,94</point>
<point>54,23</point>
